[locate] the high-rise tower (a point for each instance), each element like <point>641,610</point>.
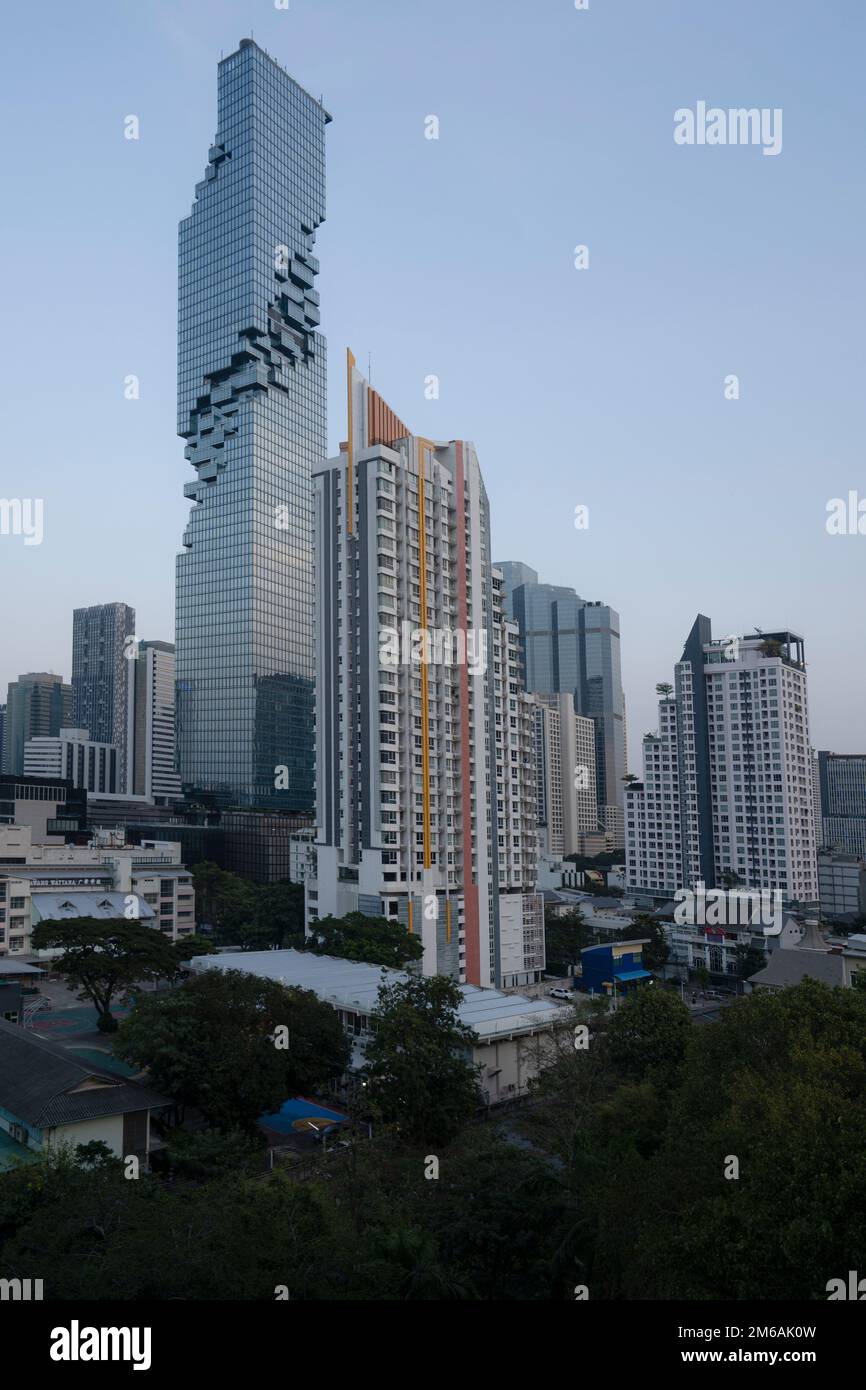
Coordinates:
<point>102,645</point>
<point>425,770</point>
<point>573,646</point>
<point>251,404</point>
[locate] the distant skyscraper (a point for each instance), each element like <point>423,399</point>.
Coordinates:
<point>2,732</point>
<point>726,797</point>
<point>842,810</point>
<point>38,705</point>
<point>251,404</point>
<point>564,744</point>
<point>573,646</point>
<point>151,753</point>
<point>100,675</point>
<point>425,775</point>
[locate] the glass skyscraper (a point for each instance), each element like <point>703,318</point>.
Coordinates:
<point>251,405</point>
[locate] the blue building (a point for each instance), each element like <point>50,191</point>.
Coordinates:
<point>613,967</point>
<point>251,405</point>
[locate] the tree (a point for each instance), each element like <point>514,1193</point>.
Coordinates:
<point>279,913</point>
<point>375,940</point>
<point>227,904</point>
<point>565,938</point>
<point>750,959</point>
<point>418,1076</point>
<point>656,953</point>
<point>665,689</point>
<point>647,1036</point>
<point>214,1044</point>
<point>777,1084</point>
<point>105,959</point>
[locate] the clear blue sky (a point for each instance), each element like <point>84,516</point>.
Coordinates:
<point>601,387</point>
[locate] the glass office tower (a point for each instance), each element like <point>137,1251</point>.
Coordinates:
<point>251,405</point>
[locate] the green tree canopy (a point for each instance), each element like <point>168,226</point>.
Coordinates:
<point>647,1036</point>
<point>358,937</point>
<point>419,1073</point>
<point>212,1043</point>
<point>104,959</point>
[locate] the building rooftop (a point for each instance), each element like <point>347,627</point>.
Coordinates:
<point>65,907</point>
<point>41,1084</point>
<point>792,967</point>
<point>352,985</point>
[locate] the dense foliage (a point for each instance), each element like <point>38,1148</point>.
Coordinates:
<point>617,1174</point>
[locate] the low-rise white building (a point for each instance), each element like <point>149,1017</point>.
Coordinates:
<point>106,878</point>
<point>73,755</point>
<point>511,1030</point>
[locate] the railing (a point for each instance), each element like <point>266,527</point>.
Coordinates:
<point>34,1008</point>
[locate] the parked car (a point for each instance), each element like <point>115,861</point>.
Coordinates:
<point>559,993</point>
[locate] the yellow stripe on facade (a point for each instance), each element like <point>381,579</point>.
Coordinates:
<point>350,446</point>
<point>423,445</point>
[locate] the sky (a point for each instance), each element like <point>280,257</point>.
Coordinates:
<point>605,387</point>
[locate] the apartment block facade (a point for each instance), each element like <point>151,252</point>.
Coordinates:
<point>151,756</point>
<point>425,794</point>
<point>565,781</point>
<point>726,798</point>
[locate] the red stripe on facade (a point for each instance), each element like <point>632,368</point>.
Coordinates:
<point>470,887</point>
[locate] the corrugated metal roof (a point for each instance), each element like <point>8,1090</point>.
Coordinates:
<point>348,984</point>
<point>61,907</point>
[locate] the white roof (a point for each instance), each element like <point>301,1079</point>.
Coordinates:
<point>348,984</point>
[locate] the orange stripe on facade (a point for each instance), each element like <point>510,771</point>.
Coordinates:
<point>383,426</point>
<point>425,712</point>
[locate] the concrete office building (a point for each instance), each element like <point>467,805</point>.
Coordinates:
<point>251,406</point>
<point>841,886</point>
<point>572,646</point>
<point>49,806</point>
<point>38,705</point>
<point>727,789</point>
<point>41,881</point>
<point>77,758</point>
<point>151,751</point>
<point>425,792</point>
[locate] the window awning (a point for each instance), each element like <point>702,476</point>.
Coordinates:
<point>632,974</point>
